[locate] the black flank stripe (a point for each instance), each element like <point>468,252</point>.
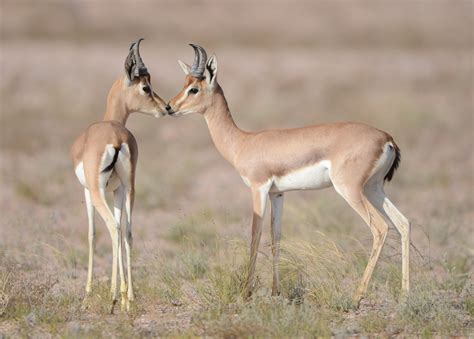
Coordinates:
<point>114,160</point>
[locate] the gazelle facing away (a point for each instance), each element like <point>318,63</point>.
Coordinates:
<point>105,157</point>
<point>354,158</point>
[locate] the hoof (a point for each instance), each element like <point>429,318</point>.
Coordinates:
<point>131,296</point>
<point>247,294</point>
<point>356,300</point>
<point>403,299</point>
<point>113,306</point>
<point>85,303</point>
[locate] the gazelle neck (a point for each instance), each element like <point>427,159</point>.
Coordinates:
<point>225,134</point>
<point>116,109</point>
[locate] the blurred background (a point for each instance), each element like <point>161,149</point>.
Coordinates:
<point>403,66</point>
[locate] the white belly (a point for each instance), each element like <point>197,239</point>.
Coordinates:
<point>307,178</point>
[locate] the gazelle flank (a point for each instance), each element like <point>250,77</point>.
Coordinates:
<point>105,156</point>
<point>354,158</point>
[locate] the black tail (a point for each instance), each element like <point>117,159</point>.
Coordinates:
<point>395,164</point>
<point>114,160</point>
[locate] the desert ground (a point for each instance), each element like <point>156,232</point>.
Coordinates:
<point>403,66</point>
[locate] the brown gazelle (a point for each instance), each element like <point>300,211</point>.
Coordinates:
<point>105,157</point>
<point>354,158</point>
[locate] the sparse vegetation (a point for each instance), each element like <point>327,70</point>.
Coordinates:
<point>382,64</point>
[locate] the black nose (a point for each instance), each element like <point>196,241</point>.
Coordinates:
<point>168,108</point>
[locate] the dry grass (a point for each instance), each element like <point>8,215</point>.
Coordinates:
<point>404,67</point>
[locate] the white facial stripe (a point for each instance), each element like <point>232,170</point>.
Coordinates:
<point>145,83</point>
<point>184,96</point>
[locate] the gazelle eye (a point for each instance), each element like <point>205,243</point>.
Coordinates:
<point>193,90</point>
<point>146,89</point>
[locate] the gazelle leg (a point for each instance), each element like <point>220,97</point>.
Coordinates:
<point>377,197</point>
<point>259,199</point>
<point>91,236</point>
<point>403,226</point>
<point>118,205</point>
<point>378,226</point>
<point>97,179</point>
<point>276,200</point>
<point>100,203</point>
<point>114,235</point>
<point>124,169</point>
<point>129,199</point>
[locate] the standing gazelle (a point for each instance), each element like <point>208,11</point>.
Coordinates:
<point>354,158</point>
<point>105,157</point>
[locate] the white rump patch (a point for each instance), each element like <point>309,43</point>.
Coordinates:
<point>246,180</point>
<point>383,164</point>
<point>307,178</point>
<point>106,160</point>
<point>80,174</point>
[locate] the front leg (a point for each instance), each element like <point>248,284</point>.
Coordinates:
<point>259,199</point>
<point>276,200</point>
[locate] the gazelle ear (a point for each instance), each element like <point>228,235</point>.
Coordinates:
<point>130,64</point>
<point>211,67</point>
<point>185,67</point>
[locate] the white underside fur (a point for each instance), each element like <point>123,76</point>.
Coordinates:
<point>306,178</point>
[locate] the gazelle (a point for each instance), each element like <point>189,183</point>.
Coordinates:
<point>105,157</point>
<point>354,158</point>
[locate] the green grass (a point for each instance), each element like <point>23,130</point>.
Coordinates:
<point>206,283</point>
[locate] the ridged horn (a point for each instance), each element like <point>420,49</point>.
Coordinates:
<point>134,64</point>
<point>200,59</point>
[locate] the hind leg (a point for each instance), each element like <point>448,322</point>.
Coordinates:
<point>377,196</point>
<point>91,236</point>
<point>355,197</point>
<point>118,206</point>
<point>124,170</point>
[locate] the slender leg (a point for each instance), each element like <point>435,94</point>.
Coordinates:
<point>114,235</point>
<point>129,199</point>
<point>90,216</point>
<point>401,223</point>
<point>276,200</point>
<point>378,226</point>
<point>97,180</point>
<point>259,199</point>
<point>124,168</point>
<point>100,203</point>
<point>403,226</point>
<point>377,197</point>
<point>118,205</point>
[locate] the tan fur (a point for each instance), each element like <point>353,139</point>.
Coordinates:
<point>353,151</point>
<point>92,147</point>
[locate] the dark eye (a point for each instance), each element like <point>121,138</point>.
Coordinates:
<point>193,90</point>
<point>146,89</point>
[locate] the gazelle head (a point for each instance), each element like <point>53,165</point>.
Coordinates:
<point>137,92</point>
<point>200,85</point>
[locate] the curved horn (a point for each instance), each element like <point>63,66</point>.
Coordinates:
<point>200,58</point>
<point>197,56</point>
<point>140,68</point>
<point>140,65</point>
